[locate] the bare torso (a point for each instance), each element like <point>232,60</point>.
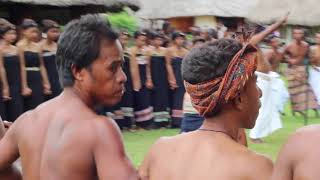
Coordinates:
<point>263,64</point>
<point>274,57</point>
<point>204,156</point>
<point>296,53</point>
<point>59,140</point>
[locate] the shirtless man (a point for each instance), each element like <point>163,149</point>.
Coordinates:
<point>280,92</point>
<point>302,97</point>
<point>274,56</point>
<point>212,150</point>
<point>314,76</point>
<point>299,157</point>
<point>64,138</point>
<point>269,118</point>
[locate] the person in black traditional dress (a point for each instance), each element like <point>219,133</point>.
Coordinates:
<point>138,68</point>
<point>49,48</point>
<point>34,79</point>
<point>174,57</point>
<point>10,74</point>
<point>157,81</point>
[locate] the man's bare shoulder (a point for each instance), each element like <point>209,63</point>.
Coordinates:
<point>105,129</point>
<point>303,137</point>
<point>254,165</point>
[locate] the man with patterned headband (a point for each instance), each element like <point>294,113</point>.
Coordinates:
<point>220,78</point>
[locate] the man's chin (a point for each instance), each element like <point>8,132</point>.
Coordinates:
<point>113,102</point>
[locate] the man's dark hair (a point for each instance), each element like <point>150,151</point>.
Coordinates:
<point>209,61</point>
<point>213,33</point>
<point>80,44</point>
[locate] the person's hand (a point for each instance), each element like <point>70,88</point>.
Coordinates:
<point>284,19</point>
<point>47,89</point>
<point>173,84</point>
<point>149,84</point>
<point>136,85</point>
<point>6,94</point>
<point>26,91</point>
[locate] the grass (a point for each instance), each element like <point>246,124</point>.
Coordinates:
<point>138,143</point>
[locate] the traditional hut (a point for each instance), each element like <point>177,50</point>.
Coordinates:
<point>185,13</point>
<point>59,10</point>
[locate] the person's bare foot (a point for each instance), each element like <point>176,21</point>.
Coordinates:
<point>257,141</point>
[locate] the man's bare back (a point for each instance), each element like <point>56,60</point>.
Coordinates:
<point>299,157</point>
<point>64,139</point>
<point>205,156</point>
<point>60,140</point>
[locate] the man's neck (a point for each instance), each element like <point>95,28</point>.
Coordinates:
<point>298,42</point>
<point>222,123</point>
<point>77,93</point>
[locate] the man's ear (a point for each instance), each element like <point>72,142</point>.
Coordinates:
<point>77,72</point>
<point>238,101</point>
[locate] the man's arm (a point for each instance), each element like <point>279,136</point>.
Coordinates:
<point>260,36</point>
<point>110,158</point>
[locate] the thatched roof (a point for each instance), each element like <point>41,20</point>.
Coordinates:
<point>302,12</point>
<point>133,4</point>
<point>164,9</point>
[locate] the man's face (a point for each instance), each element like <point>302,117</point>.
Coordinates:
<point>250,103</point>
<point>124,40</point>
<point>298,34</point>
<point>53,34</point>
<point>105,78</point>
<point>10,36</point>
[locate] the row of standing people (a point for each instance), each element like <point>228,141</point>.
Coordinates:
<point>154,88</point>
<point>29,73</point>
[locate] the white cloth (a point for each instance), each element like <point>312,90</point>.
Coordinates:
<point>280,93</point>
<point>314,81</point>
<point>268,119</point>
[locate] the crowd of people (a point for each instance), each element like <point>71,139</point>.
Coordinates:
<point>28,68</point>
<point>155,95</point>
<point>226,80</point>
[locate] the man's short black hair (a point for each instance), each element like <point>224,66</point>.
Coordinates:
<point>80,44</point>
<point>209,61</point>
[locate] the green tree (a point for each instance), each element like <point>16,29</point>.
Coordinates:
<point>123,21</point>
